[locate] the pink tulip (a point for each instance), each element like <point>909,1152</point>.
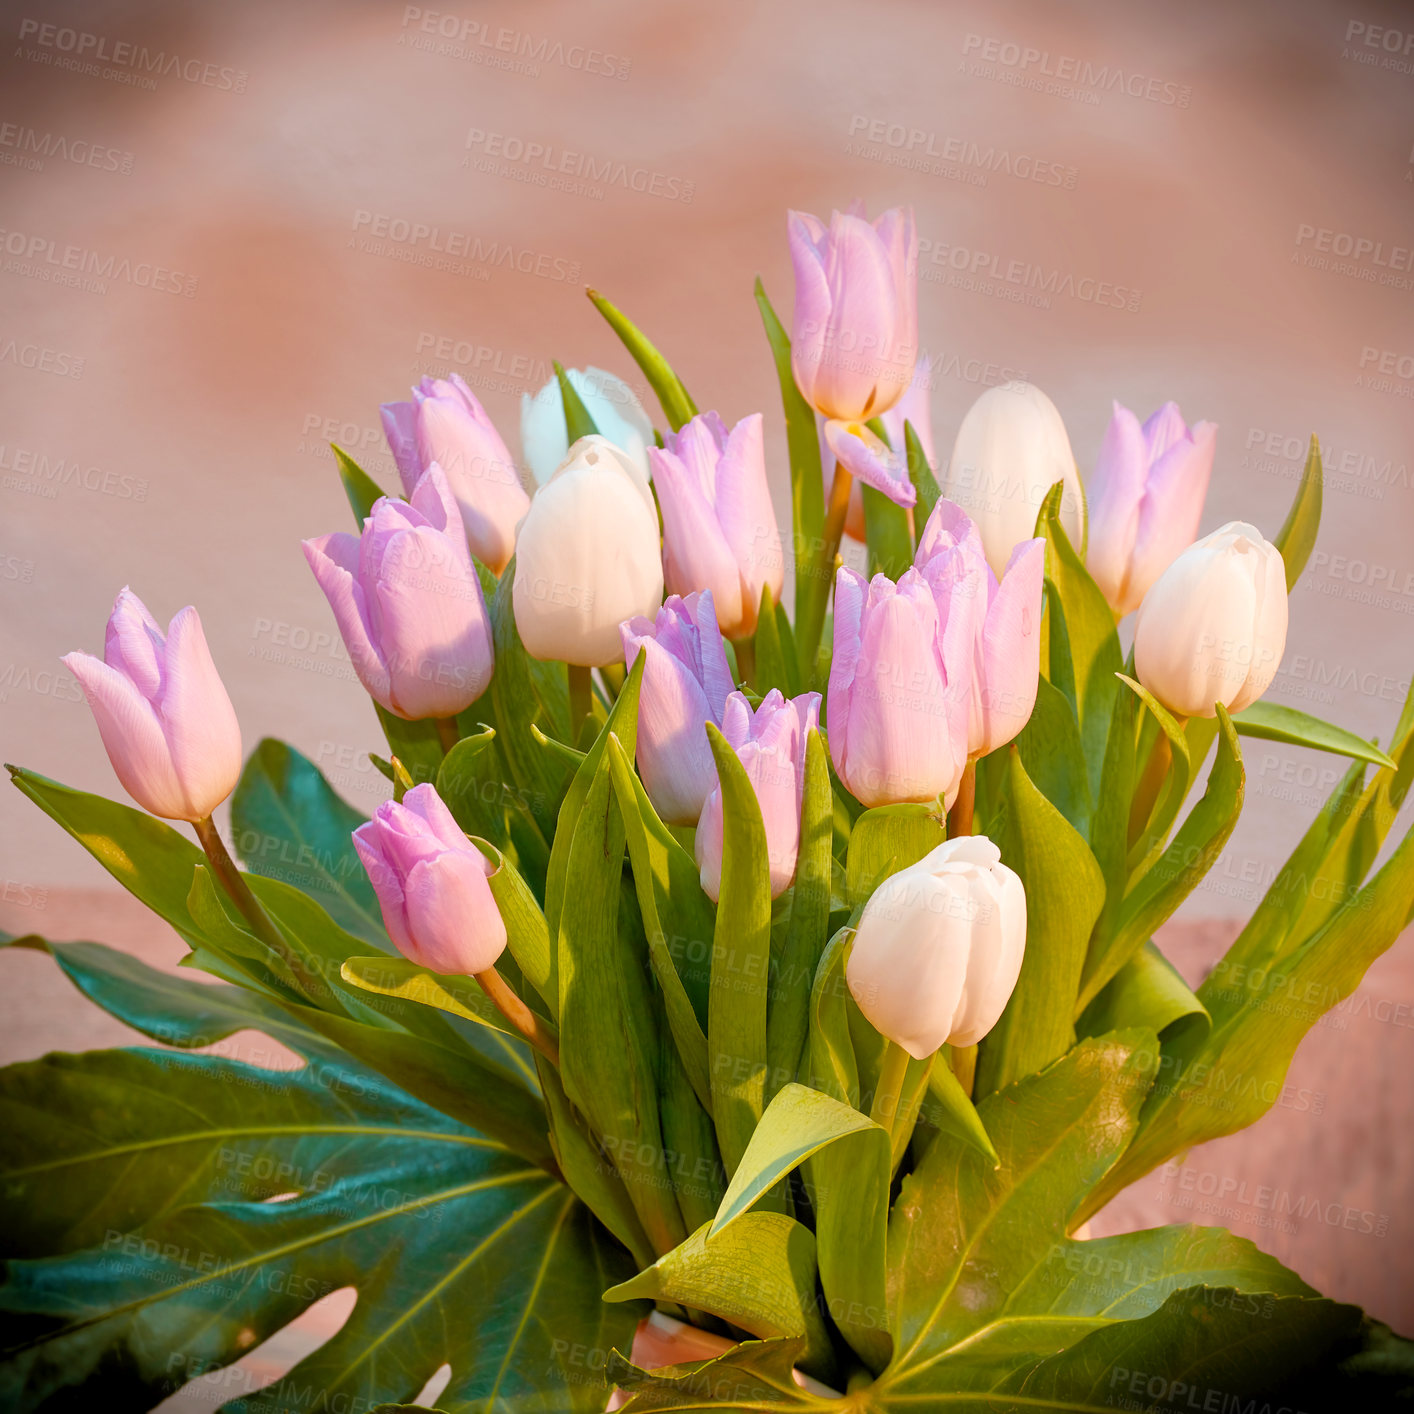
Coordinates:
<point>431,883</point>
<point>1006,660</point>
<point>770,743</point>
<point>685,685</point>
<point>854,337</point>
<point>162,710</point>
<point>1145,500</point>
<point>408,601</point>
<point>719,526</point>
<point>446,424</point>
<point>900,687</point>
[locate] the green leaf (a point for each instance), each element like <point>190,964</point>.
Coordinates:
<point>759,1275</point>
<point>416,745</point>
<point>578,420</point>
<point>1085,651</point>
<point>775,649</point>
<point>1297,536</point>
<point>471,783</point>
<point>830,1049</point>
<point>756,1375</point>
<point>151,1176</point>
<point>921,475</point>
<point>964,1235</point>
<point>527,934</point>
<point>788,1022</point>
<point>1269,721</point>
<point>1180,772</point>
<point>1054,759</point>
<point>741,961</point>
<point>361,489</point>
<point>678,407</point>
<point>288,823</point>
<point>1146,991</point>
<point>948,1109</point>
<point>807,483</point>
<point>887,839</point>
<point>1065,891</point>
<point>849,1186</point>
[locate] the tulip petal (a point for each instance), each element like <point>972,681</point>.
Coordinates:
<point>335,562</point>
<point>748,518</point>
<point>452,916</point>
<point>1172,507</point>
<point>869,458</point>
<point>1116,495</point>
<point>134,644</point>
<point>674,755</point>
<point>198,719</point>
<point>400,429</point>
<point>696,554</point>
<point>1008,661</point>
<point>387,884</point>
<point>806,237</point>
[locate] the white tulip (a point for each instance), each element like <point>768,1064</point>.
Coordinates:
<point>587,557</point>
<point>939,947</point>
<point>1213,627</point>
<point>1011,449</point>
<point>617,414</point>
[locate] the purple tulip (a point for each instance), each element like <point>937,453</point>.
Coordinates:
<point>900,687</point>
<point>770,743</point>
<point>408,602</point>
<point>854,337</point>
<point>1145,499</point>
<point>162,710</point>
<point>431,883</point>
<point>446,424</point>
<point>719,526</point>
<point>1006,659</point>
<point>685,685</point>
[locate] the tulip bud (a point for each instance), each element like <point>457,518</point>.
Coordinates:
<point>686,682</point>
<point>446,424</point>
<point>854,337</point>
<point>617,414</point>
<point>1006,656</point>
<point>939,947</point>
<point>900,686</point>
<point>162,710</point>
<point>431,883</point>
<point>408,602</point>
<point>1213,628</point>
<point>1010,450</point>
<point>587,557</point>
<point>770,743</point>
<point>1145,500</point>
<point>719,526</point>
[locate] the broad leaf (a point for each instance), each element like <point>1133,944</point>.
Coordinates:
<point>887,839</point>
<point>756,1375</point>
<point>1146,991</point>
<point>1054,759</point>
<point>1269,721</point>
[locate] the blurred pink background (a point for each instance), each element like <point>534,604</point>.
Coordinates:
<point>1217,198</point>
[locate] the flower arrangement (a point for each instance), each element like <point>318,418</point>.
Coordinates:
<point>741,1009</point>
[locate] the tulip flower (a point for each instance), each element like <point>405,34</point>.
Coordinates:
<point>408,602</point>
<point>446,424</point>
<point>913,407</point>
<point>617,414</point>
<point>1213,627</point>
<point>719,526</point>
<point>1145,500</point>
<point>1006,652</point>
<point>901,686</point>
<point>770,743</point>
<point>1011,449</point>
<point>686,682</point>
<point>587,557</point>
<point>162,710</point>
<point>939,948</point>
<point>854,337</point>
<point>431,883</point>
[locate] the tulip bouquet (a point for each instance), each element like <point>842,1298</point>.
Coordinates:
<point>744,1009</point>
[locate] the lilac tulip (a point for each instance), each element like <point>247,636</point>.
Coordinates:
<point>431,883</point>
<point>686,682</point>
<point>162,710</point>
<point>408,601</point>
<point>446,424</point>
<point>900,687</point>
<point>770,743</point>
<point>1146,498</point>
<point>1006,658</point>
<point>719,526</point>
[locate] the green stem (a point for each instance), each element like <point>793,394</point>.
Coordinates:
<point>888,1091</point>
<point>233,881</point>
<point>525,1021</point>
<point>581,697</point>
<point>447,733</point>
<point>960,816</point>
<point>745,650</point>
<point>1150,783</point>
<point>821,574</point>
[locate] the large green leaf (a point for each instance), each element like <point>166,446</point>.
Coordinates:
<point>887,839</point>
<point>1270,721</point>
<point>1054,759</point>
<point>756,1376</point>
<point>151,1176</point>
<point>848,1182</point>
<point>288,823</point>
<point>1297,536</point>
<point>1146,991</point>
<point>678,407</point>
